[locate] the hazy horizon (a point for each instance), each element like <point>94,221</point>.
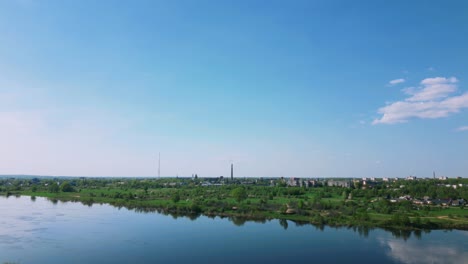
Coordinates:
<point>293,89</point>
<point>215,177</point>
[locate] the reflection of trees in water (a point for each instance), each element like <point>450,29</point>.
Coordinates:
<point>320,227</point>
<point>405,234</point>
<point>193,216</point>
<point>260,221</point>
<point>417,234</point>
<point>238,221</point>
<point>363,231</point>
<point>283,223</point>
<point>8,194</point>
<point>87,203</point>
<point>173,214</point>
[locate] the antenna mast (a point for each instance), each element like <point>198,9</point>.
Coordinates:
<point>159,165</point>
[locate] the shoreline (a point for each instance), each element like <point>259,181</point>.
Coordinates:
<point>320,219</point>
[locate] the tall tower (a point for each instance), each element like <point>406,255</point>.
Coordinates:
<point>159,165</point>
<point>232,171</point>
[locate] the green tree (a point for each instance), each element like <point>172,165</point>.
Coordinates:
<point>66,187</point>
<point>300,204</point>
<point>175,197</point>
<point>54,188</point>
<point>417,221</point>
<point>345,194</point>
<point>239,194</point>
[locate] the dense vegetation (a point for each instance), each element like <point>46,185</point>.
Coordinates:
<point>261,199</point>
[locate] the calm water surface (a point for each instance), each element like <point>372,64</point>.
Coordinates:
<point>41,231</point>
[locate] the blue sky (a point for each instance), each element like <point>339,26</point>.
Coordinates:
<point>281,88</point>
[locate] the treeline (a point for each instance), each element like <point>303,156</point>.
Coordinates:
<point>321,205</point>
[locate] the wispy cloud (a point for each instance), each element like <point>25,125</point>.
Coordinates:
<point>462,128</point>
<point>434,98</point>
<point>434,88</point>
<point>396,81</point>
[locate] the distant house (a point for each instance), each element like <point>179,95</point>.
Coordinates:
<point>369,184</point>
<point>343,183</point>
<point>313,183</point>
<point>294,182</point>
<point>405,198</point>
<point>305,183</point>
<point>442,202</point>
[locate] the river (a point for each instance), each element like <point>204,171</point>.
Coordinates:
<point>43,231</point>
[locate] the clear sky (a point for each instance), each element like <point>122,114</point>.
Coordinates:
<point>281,88</point>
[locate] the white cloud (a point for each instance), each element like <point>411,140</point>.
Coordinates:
<point>434,88</point>
<point>396,81</point>
<point>433,99</point>
<point>462,128</point>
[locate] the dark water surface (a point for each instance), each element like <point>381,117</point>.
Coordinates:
<point>41,231</point>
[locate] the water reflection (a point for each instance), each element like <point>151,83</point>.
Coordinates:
<point>283,223</point>
<point>238,221</point>
<point>414,252</point>
<point>363,231</point>
<point>39,227</point>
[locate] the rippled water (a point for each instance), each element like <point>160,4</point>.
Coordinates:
<point>40,231</point>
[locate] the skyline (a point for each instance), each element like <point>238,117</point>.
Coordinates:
<point>302,89</point>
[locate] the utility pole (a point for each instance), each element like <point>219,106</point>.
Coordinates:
<point>232,171</point>
<point>159,165</point>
